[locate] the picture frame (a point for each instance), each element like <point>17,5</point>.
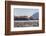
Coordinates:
<point>24,6</point>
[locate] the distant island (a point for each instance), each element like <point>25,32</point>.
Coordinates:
<point>33,17</point>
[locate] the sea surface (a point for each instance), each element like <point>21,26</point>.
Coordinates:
<point>26,23</point>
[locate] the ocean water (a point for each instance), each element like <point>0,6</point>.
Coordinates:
<point>26,23</point>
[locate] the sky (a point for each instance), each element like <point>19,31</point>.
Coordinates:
<point>24,11</point>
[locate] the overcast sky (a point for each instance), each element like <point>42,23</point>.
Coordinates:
<point>24,11</point>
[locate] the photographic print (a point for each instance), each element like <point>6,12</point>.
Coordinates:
<point>24,17</point>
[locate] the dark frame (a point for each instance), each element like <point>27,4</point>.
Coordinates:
<point>8,16</point>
